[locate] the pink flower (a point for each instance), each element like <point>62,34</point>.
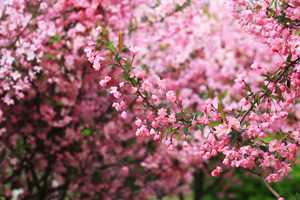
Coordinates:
<point>154,124</point>
<point>124,115</point>
<point>215,173</point>
<point>240,78</point>
<point>254,117</point>
<point>172,118</point>
<point>271,86</point>
<point>185,144</point>
<point>264,70</point>
<point>255,65</point>
<point>154,98</point>
<point>194,123</point>
<point>99,29</point>
<point>147,85</point>
<point>161,84</point>
<point>272,177</point>
<point>117,106</point>
<point>134,50</point>
<point>220,170</point>
<point>139,74</point>
<point>152,131</point>
<point>171,147</point>
<point>102,83</point>
<point>170,96</point>
<point>133,89</point>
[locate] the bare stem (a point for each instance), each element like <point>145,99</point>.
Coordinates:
<point>272,190</point>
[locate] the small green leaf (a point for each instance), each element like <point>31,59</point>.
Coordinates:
<point>297,196</point>
<point>111,47</point>
<point>168,111</point>
<point>174,131</point>
<point>197,115</point>
<point>297,33</point>
<point>280,137</point>
<point>86,132</point>
<point>122,76</point>
<point>111,55</point>
<point>19,141</point>
<point>247,87</point>
<point>177,136</point>
<point>120,40</point>
<point>276,4</point>
<point>215,123</point>
<point>186,130</point>
<point>222,112</point>
<point>59,103</point>
<point>288,83</point>
<point>49,55</point>
<point>278,91</point>
<point>126,62</point>
<point>258,99</point>
<point>51,40</point>
<point>247,123</point>
<point>188,111</point>
<point>122,48</point>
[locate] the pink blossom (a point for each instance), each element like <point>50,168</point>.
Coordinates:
<point>124,115</point>
<point>185,144</point>
<point>154,98</point>
<point>134,50</point>
<point>172,118</point>
<point>170,96</point>
<point>99,29</point>
<point>161,84</point>
<point>272,178</point>
<point>255,65</point>
<point>171,147</point>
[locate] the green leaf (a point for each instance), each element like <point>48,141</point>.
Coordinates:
<point>120,40</point>
<point>86,132</point>
<point>124,67</point>
<point>298,33</point>
<point>288,83</point>
<point>247,87</point>
<point>297,196</point>
<point>177,136</point>
<point>19,141</point>
<point>111,55</point>
<point>280,137</point>
<point>276,4</point>
<point>188,111</point>
<point>278,91</point>
<point>59,103</point>
<point>215,123</point>
<point>222,112</point>
<point>247,123</point>
<point>122,76</point>
<point>168,111</point>
<point>197,115</point>
<point>49,55</point>
<point>111,47</point>
<point>174,131</point>
<point>126,62</point>
<point>186,130</point>
<point>51,40</point>
<point>258,99</point>
<point>122,48</point>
